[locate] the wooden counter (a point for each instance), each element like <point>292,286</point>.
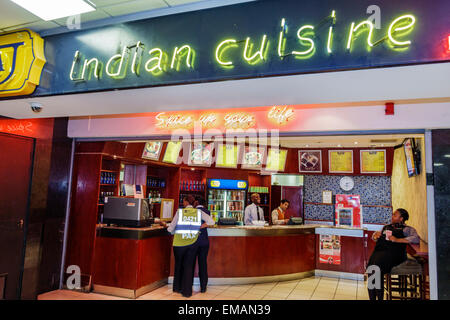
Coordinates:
<point>132,261</point>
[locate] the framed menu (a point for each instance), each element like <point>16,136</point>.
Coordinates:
<point>152,150</point>
<point>201,154</point>
<point>373,161</point>
<point>166,213</point>
<point>253,157</point>
<point>276,159</point>
<point>172,152</point>
<point>310,160</point>
<point>227,156</point>
<point>340,161</point>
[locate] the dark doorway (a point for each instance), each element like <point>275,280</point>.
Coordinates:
<point>16,165</point>
<point>295,197</point>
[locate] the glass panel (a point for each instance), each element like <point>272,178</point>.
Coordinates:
<point>288,180</point>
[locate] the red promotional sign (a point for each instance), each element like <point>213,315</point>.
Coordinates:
<point>348,210</point>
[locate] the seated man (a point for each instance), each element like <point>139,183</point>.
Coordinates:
<point>390,249</point>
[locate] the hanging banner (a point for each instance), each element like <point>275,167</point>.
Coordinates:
<point>276,159</point>
<point>227,156</point>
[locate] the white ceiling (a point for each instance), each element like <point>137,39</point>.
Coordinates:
<point>13,17</point>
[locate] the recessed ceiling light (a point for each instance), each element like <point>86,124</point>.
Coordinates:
<point>307,146</point>
<point>55,9</point>
<point>339,145</point>
<point>447,156</point>
<point>356,142</point>
<point>438,164</point>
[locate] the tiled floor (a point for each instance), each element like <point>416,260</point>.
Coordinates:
<point>313,288</point>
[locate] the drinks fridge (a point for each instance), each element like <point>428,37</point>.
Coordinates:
<point>226,198</point>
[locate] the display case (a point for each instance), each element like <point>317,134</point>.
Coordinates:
<point>226,198</point>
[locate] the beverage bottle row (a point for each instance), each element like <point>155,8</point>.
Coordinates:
<point>154,196</point>
<point>152,182</point>
<point>258,189</point>
<point>103,195</point>
<point>217,206</point>
<point>192,185</point>
<point>216,194</point>
<point>107,178</point>
<point>235,206</point>
<point>235,195</point>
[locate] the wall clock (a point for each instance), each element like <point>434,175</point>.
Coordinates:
<point>346,183</point>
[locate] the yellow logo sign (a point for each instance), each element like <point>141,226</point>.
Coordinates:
<point>21,62</point>
<point>215,183</point>
<point>242,184</point>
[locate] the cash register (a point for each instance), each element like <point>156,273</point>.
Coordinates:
<point>127,212</point>
<point>295,221</point>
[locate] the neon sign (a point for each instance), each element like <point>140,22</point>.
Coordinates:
<point>281,115</point>
<point>248,50</point>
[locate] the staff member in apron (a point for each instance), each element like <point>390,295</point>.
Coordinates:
<point>390,249</point>
<point>278,214</point>
<point>186,227</point>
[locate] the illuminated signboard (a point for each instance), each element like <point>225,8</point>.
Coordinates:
<point>21,62</point>
<point>248,40</point>
<point>227,184</point>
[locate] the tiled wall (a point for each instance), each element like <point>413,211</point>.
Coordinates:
<point>374,190</point>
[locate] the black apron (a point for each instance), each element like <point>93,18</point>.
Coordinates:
<point>388,254</point>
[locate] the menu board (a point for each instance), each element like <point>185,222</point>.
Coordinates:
<point>253,157</point>
<point>172,152</point>
<point>201,154</point>
<point>373,161</point>
<point>310,160</point>
<point>152,150</point>
<point>340,161</point>
<point>276,159</point>
<point>227,156</point>
<point>330,249</point>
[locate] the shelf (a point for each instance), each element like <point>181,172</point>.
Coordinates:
<point>192,191</point>
<point>236,200</point>
<point>100,204</point>
<point>149,187</point>
<point>109,171</point>
<point>108,185</point>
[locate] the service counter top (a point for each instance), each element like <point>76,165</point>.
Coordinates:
<point>231,231</point>
<point>132,233</point>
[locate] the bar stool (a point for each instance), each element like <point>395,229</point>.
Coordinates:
<point>406,279</point>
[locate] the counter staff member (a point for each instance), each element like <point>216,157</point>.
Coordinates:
<point>278,213</point>
<point>253,211</point>
<point>390,249</point>
<point>186,227</point>
<point>203,246</point>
